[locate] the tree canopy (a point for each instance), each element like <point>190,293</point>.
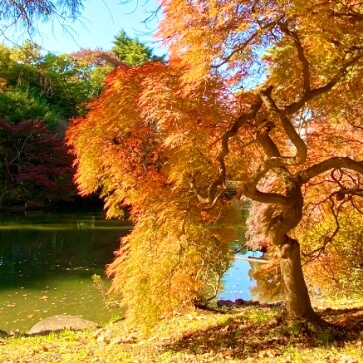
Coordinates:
<point>36,85</point>
<point>34,165</point>
<point>131,51</point>
<point>41,91</point>
<point>259,96</point>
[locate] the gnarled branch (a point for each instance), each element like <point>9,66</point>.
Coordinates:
<point>326,165</point>
<point>301,149</point>
<point>301,54</point>
<point>307,96</point>
<point>213,195</point>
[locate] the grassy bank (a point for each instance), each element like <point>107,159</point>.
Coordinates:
<point>249,334</point>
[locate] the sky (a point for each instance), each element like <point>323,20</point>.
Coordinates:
<point>97,26</point>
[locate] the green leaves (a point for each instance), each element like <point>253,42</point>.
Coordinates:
<point>131,51</point>
<point>42,86</point>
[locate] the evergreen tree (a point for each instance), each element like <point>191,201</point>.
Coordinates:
<point>131,51</point>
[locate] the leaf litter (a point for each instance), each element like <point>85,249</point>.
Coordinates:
<point>249,334</point>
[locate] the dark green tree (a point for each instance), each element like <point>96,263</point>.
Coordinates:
<point>131,51</point>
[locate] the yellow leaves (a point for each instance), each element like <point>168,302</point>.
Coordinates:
<point>165,269</point>
<point>145,137</point>
<point>336,268</point>
<point>173,140</point>
<point>242,27</point>
<point>217,36</point>
<point>116,144</point>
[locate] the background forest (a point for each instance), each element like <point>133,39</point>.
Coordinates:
<point>39,93</point>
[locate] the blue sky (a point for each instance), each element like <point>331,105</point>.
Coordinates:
<point>100,21</point>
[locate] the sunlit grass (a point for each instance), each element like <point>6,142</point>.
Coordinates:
<point>250,334</point>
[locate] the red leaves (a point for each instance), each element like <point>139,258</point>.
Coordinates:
<point>35,163</point>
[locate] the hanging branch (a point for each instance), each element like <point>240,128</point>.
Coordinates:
<point>316,253</point>
<point>212,194</point>
<point>301,54</point>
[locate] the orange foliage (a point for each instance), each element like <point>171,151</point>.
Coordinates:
<point>172,140</point>
<point>142,141</point>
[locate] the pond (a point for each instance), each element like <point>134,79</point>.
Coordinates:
<point>236,281</point>
<point>48,258</point>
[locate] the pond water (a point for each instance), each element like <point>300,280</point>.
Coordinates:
<point>236,281</point>
<point>48,258</point>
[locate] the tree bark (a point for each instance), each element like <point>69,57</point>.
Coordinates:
<point>297,301</point>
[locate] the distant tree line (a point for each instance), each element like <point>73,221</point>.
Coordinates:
<point>39,93</point>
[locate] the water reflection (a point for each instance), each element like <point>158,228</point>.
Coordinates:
<point>46,263</point>
<point>47,260</point>
<point>236,281</point>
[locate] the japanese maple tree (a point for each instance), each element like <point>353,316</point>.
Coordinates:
<point>262,96</point>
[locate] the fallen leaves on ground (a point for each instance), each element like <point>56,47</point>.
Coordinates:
<point>251,334</point>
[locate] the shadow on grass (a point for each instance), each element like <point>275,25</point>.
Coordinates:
<point>264,336</point>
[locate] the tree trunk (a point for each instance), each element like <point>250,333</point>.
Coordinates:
<point>283,214</point>
<point>297,301</point>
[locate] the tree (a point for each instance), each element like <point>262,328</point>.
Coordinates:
<point>99,64</point>
<point>22,91</point>
<point>131,51</point>
<point>171,140</point>
<point>34,165</point>
<point>51,87</point>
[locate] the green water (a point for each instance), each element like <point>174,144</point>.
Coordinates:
<point>47,260</point>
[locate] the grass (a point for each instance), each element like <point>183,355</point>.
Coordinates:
<point>249,334</point>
